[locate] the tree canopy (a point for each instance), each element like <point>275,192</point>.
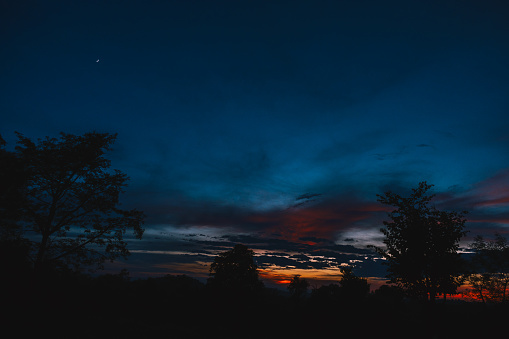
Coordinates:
<point>298,287</point>
<point>353,287</point>
<point>70,211</point>
<point>421,243</point>
<point>235,271</point>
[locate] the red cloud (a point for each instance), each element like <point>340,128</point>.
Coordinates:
<point>493,191</point>
<point>323,220</point>
<point>487,203</point>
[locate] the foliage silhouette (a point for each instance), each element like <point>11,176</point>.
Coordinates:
<point>298,287</point>
<point>389,295</point>
<point>421,244</point>
<point>69,211</point>
<point>13,180</point>
<point>235,272</point>
<point>117,306</point>
<point>349,290</point>
<point>327,294</point>
<point>490,264</point>
<point>14,249</point>
<point>353,288</point>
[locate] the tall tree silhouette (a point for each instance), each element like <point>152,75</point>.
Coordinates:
<point>421,244</point>
<point>71,213</point>
<point>235,271</point>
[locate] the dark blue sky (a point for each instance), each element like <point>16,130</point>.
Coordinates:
<point>228,111</point>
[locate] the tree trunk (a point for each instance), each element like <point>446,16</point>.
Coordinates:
<point>39,260</point>
<point>505,288</point>
<point>482,296</point>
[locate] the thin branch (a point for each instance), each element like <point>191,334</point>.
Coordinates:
<point>83,244</point>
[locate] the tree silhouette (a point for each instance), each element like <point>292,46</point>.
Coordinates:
<point>70,209</point>
<point>327,294</point>
<point>349,290</point>
<point>421,244</point>
<point>389,294</point>
<point>352,287</point>
<point>14,249</point>
<point>234,271</point>
<point>13,180</point>
<point>491,268</point>
<point>298,287</point>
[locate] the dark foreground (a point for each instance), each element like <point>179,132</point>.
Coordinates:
<point>181,307</point>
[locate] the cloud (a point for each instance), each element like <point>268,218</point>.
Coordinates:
<point>323,220</point>
<point>176,252</point>
<point>313,239</point>
<point>494,190</point>
<point>331,229</point>
<point>490,192</point>
<point>307,196</point>
<point>426,146</point>
<point>486,201</point>
<point>305,199</point>
<point>322,217</point>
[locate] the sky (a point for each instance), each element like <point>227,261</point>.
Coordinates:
<point>271,123</point>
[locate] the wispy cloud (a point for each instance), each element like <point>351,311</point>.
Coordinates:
<point>486,201</point>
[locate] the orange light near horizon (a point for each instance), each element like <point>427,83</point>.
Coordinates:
<point>284,275</point>
<point>283,281</point>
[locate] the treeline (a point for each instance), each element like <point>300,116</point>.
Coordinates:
<point>232,303</point>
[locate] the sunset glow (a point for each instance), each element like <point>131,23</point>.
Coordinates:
<point>254,169</point>
<point>277,136</point>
